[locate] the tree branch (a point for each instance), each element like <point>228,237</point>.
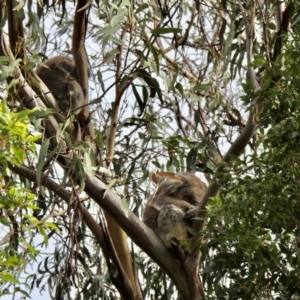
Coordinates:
<point>81,59</point>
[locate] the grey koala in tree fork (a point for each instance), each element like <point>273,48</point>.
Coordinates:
<point>61,79</point>
<point>170,211</point>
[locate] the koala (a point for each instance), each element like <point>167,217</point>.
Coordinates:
<point>61,79</point>
<point>170,211</point>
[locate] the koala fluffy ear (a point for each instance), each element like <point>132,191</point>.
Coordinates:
<point>181,177</point>
<point>171,185</point>
<point>167,175</point>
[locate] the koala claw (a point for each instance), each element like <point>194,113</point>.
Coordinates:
<point>190,214</point>
<point>177,249</point>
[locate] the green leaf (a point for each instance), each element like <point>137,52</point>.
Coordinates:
<point>19,154</point>
<point>87,162</point>
<point>4,107</point>
<point>3,60</point>
<point>152,84</point>
<point>202,87</point>
<point>22,114</point>
<point>51,225</point>
<point>142,7</point>
<point>145,94</point>
<point>42,112</point>
<point>6,71</point>
<point>179,87</point>
<point>141,55</point>
<point>32,138</point>
<point>138,99</point>
<point>174,77</point>
<point>80,172</point>
<point>109,57</point>
<point>155,54</point>
<point>8,277</point>
<point>157,89</point>
<point>18,290</point>
<point>191,160</point>
<point>30,248</point>
<point>110,185</point>
<point>272,26</point>
<point>5,221</point>
<point>166,30</point>
<point>124,206</point>
<point>43,234</point>
<point>150,81</point>
<point>124,81</point>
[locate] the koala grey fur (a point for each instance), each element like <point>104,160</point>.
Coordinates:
<point>170,211</point>
<point>61,79</point>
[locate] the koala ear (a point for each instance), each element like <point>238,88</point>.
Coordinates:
<point>181,177</point>
<point>67,66</point>
<point>168,175</point>
<point>169,188</point>
<point>176,179</point>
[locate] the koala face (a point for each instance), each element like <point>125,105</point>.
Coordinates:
<point>170,225</point>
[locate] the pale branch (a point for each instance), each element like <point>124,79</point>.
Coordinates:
<point>15,27</point>
<point>81,59</point>
<point>110,145</point>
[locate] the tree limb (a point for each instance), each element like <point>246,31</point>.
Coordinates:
<point>81,59</point>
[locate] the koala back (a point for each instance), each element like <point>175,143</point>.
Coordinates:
<point>171,209</point>
<point>186,187</point>
<point>61,79</point>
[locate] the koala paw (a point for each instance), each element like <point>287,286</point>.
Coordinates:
<point>177,249</point>
<point>190,214</point>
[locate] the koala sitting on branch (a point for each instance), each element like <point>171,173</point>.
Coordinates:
<point>60,77</point>
<point>171,209</point>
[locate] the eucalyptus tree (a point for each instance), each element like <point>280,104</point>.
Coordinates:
<point>169,86</point>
